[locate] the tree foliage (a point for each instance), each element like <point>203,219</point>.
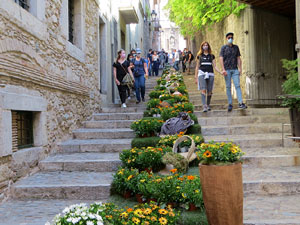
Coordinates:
<point>192,15</point>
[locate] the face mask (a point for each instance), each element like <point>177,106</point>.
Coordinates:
<point>123,55</point>
<point>134,55</point>
<point>205,48</point>
<point>230,41</point>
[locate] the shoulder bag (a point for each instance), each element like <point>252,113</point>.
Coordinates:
<point>127,80</point>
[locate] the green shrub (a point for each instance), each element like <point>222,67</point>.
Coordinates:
<point>182,89</point>
<point>155,94</point>
<point>194,129</point>
<point>193,117</point>
<point>153,103</point>
<point>147,127</point>
<point>177,160</point>
<point>160,88</point>
<point>291,86</point>
<point>144,142</point>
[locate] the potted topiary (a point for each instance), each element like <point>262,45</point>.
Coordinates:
<point>222,185</point>
<point>291,97</point>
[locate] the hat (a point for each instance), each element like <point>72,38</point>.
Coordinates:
<point>138,51</point>
<point>230,33</point>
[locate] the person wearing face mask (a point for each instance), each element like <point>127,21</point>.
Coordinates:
<point>120,68</point>
<point>204,76</point>
<point>140,74</point>
<point>231,63</point>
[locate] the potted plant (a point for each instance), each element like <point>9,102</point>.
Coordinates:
<point>147,127</point>
<point>222,185</point>
<point>291,97</point>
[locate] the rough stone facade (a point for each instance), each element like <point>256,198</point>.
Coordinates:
<point>41,71</point>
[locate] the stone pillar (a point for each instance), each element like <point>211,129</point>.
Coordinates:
<point>298,34</point>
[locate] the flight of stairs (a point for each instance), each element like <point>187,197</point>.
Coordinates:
<point>271,171</point>
<point>81,171</point>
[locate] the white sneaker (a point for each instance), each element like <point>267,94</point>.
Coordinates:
<point>129,98</point>
<point>123,105</point>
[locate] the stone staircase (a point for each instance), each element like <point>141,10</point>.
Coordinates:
<point>81,171</point>
<point>271,172</point>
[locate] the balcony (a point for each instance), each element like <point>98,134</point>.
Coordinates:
<point>128,11</point>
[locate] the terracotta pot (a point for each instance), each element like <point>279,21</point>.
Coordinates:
<point>171,204</point>
<point>139,198</point>
<point>222,188</point>
<point>192,207</point>
<point>148,170</point>
<point>127,194</point>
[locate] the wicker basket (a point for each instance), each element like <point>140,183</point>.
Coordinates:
<point>190,155</point>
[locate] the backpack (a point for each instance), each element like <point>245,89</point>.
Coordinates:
<point>192,56</point>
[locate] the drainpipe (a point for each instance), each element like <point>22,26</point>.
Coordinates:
<point>298,35</point>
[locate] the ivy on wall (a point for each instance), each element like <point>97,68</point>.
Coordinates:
<point>192,15</point>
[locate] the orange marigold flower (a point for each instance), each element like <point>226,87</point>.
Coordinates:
<point>129,210</point>
<point>173,170</point>
<point>190,177</point>
<point>207,154</point>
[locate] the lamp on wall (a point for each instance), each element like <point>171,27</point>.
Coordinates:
<point>153,15</point>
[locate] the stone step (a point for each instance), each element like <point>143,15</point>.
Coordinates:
<point>242,112</point>
<point>272,210</point>
<point>264,161</point>
<point>254,119</point>
<point>271,181</point>
<point>271,151</point>
<point>108,124</point>
<point>214,102</point>
<point>243,129</point>
<point>194,97</point>
<point>249,140</point>
<point>96,162</point>
<point>118,109</point>
<point>94,145</point>
<point>34,212</point>
<point>217,106</point>
<point>117,116</point>
<point>103,133</point>
<point>64,185</point>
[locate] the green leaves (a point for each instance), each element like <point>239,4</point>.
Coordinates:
<point>192,15</point>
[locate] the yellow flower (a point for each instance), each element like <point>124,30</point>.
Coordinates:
<point>197,191</point>
<point>163,220</point>
<point>139,213</point>
<point>146,223</point>
<point>147,211</point>
<point>133,151</point>
<point>135,220</point>
<point>142,181</point>
<point>183,195</point>
<point>153,218</point>
<point>163,211</point>
<point>129,161</point>
<point>131,176</point>
<point>124,215</point>
<point>171,214</point>
<point>206,154</point>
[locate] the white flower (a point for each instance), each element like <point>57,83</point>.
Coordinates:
<point>66,210</point>
<point>99,223</point>
<point>89,223</point>
<point>99,218</point>
<point>75,220</point>
<point>48,223</point>
<point>92,216</point>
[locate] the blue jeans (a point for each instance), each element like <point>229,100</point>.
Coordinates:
<point>150,68</point>
<point>235,75</point>
<point>139,83</point>
<point>176,65</point>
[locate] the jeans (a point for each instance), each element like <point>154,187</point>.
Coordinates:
<point>150,68</point>
<point>139,83</point>
<point>176,65</point>
<point>183,66</point>
<point>235,75</point>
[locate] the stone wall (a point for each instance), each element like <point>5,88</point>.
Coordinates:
<point>41,71</point>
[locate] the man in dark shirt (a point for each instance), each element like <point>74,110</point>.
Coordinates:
<point>231,64</point>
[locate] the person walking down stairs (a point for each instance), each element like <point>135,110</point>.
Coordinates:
<point>204,75</point>
<point>140,74</point>
<point>120,68</point>
<point>231,63</point>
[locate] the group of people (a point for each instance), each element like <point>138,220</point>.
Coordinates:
<point>185,57</point>
<point>139,68</point>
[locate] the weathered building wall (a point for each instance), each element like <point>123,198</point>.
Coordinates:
<point>42,72</point>
<point>264,39</point>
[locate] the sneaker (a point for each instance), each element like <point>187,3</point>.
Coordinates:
<point>208,108</point>
<point>137,102</point>
<point>230,108</point>
<point>204,108</point>
<point>123,105</point>
<point>143,99</point>
<point>242,106</point>
<point>129,98</point>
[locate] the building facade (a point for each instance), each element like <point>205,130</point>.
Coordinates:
<point>56,71</point>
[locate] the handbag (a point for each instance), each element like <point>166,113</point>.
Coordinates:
<point>127,80</point>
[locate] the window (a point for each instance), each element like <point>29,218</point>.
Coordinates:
<point>71,21</point>
<point>22,127</point>
<point>23,3</point>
